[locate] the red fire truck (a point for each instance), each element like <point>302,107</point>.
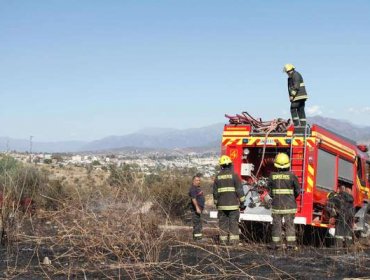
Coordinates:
<point>321,159</point>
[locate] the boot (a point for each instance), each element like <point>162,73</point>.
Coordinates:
<point>292,246</point>
<point>339,243</point>
<point>273,246</point>
<point>235,243</point>
<point>200,241</point>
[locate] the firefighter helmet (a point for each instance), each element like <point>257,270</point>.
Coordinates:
<point>225,160</point>
<point>288,68</point>
<point>282,161</point>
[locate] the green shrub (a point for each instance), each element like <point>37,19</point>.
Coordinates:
<point>167,189</point>
<point>18,180</point>
<point>170,191</point>
<point>121,176</point>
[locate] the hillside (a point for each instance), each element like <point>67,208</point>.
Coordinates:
<point>203,138</point>
<point>345,128</point>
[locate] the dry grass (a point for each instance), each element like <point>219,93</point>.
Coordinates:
<point>109,228</point>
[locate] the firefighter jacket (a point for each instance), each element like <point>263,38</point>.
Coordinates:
<point>284,189</point>
<point>228,192</point>
<point>349,209</point>
<point>296,87</point>
<point>340,206</point>
<point>333,205</point>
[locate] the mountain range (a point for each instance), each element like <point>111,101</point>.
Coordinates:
<point>201,138</point>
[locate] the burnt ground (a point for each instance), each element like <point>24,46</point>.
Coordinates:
<point>253,260</point>
<point>180,258</point>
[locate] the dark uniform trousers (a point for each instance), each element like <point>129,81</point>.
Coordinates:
<point>197,225</point>
<point>345,221</point>
<point>298,113</point>
<point>277,223</point>
<point>229,225</point>
<point>341,207</point>
<point>343,230</point>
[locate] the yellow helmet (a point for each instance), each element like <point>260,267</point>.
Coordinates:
<point>225,160</point>
<point>288,67</point>
<point>282,161</point>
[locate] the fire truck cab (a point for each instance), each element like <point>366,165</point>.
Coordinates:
<point>321,159</point>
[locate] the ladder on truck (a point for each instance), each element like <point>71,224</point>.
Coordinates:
<point>298,157</point>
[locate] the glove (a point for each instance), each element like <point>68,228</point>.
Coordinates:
<point>268,205</point>
<point>242,206</point>
<point>301,192</point>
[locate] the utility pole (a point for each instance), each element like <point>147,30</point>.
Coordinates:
<point>31,148</point>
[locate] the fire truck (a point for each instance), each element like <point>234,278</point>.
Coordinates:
<point>321,159</point>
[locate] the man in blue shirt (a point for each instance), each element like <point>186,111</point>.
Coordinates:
<point>197,206</point>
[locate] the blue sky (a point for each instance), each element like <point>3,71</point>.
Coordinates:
<point>83,70</point>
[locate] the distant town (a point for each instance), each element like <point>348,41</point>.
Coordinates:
<point>147,162</point>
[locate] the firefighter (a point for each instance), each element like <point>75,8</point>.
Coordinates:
<point>229,197</point>
<point>284,189</point>
<point>196,205</point>
<point>340,206</point>
<point>297,95</point>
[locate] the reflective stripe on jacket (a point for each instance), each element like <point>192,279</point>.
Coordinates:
<point>227,190</point>
<point>296,87</point>
<point>284,188</point>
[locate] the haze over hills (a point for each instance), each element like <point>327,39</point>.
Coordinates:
<point>23,145</point>
<point>169,139</point>
<point>345,128</point>
<point>203,138</point>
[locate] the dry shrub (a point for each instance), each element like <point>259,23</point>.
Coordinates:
<point>54,195</point>
<point>19,181</point>
<point>115,230</point>
<point>122,176</point>
<point>104,233</point>
<point>20,185</point>
<point>170,191</point>
<point>110,232</point>
<point>94,229</point>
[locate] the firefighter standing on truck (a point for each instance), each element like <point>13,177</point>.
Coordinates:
<point>196,205</point>
<point>284,189</point>
<point>297,95</point>
<point>229,197</point>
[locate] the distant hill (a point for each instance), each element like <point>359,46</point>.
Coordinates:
<point>206,138</point>
<point>169,139</point>
<point>361,134</point>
